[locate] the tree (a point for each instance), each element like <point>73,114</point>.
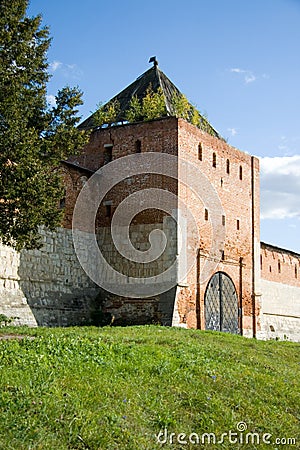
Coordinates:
<point>107,114</point>
<point>33,137</point>
<point>134,112</point>
<point>152,106</point>
<point>181,106</point>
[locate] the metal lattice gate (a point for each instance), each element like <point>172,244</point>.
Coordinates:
<point>221,305</point>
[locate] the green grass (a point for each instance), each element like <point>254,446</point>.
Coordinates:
<point>116,388</point>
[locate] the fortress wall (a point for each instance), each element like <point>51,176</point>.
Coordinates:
<point>280,314</point>
<point>280,289</point>
<point>46,287</point>
<point>279,265</point>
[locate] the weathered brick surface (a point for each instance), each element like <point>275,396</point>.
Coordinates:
<point>155,136</point>
<point>235,179</point>
<point>279,265</point>
<point>49,287</point>
<point>240,201</point>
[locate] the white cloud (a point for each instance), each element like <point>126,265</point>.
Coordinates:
<point>289,146</point>
<point>55,65</point>
<point>232,131</point>
<point>280,187</point>
<point>51,100</point>
<point>284,165</point>
<point>237,70</point>
<point>248,75</point>
<point>250,78</point>
<point>282,147</point>
<point>67,70</point>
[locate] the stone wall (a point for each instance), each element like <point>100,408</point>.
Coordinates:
<point>280,289</point>
<point>46,287</point>
<point>142,309</point>
<point>49,287</point>
<point>280,314</point>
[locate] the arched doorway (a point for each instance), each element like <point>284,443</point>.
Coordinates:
<point>221,305</point>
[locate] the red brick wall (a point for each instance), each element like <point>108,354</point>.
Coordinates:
<point>279,265</point>
<point>154,136</point>
<point>74,180</point>
<point>236,198</point>
<point>239,197</point>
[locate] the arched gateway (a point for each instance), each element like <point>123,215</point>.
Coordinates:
<point>221,304</point>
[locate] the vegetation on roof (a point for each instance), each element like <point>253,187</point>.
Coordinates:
<point>151,106</point>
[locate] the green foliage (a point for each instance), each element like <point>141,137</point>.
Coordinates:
<point>106,114</point>
<point>153,104</point>
<point>181,106</point>
<point>151,107</point>
<point>134,113</point>
<point>33,139</point>
<point>116,388</point>
<point>4,320</point>
<point>195,117</point>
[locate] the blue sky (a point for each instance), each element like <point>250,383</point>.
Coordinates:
<point>236,60</point>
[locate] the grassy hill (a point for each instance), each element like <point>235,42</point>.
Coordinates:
<point>118,388</point>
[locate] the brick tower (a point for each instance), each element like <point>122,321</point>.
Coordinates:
<point>215,183</point>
